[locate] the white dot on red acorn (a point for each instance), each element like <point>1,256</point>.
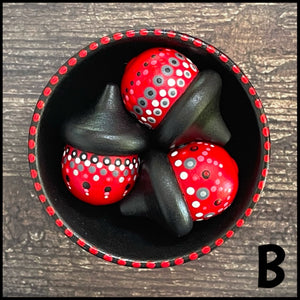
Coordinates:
<point>216,175</point>
<point>153,81</point>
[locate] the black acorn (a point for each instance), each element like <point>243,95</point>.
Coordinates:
<point>101,158</point>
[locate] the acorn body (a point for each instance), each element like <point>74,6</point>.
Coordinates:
<point>207,176</point>
<point>153,82</point>
<point>98,179</point>
<point>100,162</point>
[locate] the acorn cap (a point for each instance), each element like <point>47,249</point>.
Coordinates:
<point>158,196</point>
<point>107,128</point>
<point>196,115</point>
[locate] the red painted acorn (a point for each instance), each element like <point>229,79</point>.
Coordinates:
<point>101,158</point>
<point>166,92</point>
<point>194,182</point>
<point>207,176</point>
<point>98,179</point>
<point>153,81</point>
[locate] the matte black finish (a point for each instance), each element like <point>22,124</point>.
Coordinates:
<point>106,128</point>
<point>158,196</point>
<point>196,115</point>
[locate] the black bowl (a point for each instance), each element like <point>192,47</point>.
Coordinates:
<point>102,230</point>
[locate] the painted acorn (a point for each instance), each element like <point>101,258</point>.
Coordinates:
<point>98,179</point>
<point>166,92</point>
<point>153,81</point>
<point>207,176</point>
<point>100,161</point>
<point>196,181</point>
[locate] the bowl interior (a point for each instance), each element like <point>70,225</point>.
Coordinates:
<point>103,226</point>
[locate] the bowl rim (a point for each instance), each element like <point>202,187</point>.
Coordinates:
<point>97,46</point>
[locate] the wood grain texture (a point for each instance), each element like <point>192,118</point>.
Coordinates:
<point>38,260</point>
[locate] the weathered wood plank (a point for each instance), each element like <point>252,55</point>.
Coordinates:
<point>38,260</point>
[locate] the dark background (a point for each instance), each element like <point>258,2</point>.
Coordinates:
<point>38,259</point>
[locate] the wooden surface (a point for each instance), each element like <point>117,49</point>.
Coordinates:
<point>38,259</point>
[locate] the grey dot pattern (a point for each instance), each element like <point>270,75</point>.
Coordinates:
<point>103,172</point>
<point>138,110</point>
<point>190,163</point>
<point>167,70</point>
<point>173,61</point>
<point>158,80</point>
<point>92,169</point>
<point>142,102</point>
<point>150,93</point>
<point>202,193</point>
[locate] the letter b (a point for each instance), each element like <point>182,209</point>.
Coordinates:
<point>273,265</point>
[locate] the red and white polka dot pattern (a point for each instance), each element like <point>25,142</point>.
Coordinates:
<point>96,179</point>
<point>99,45</point>
<point>207,176</point>
<point>153,81</point>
